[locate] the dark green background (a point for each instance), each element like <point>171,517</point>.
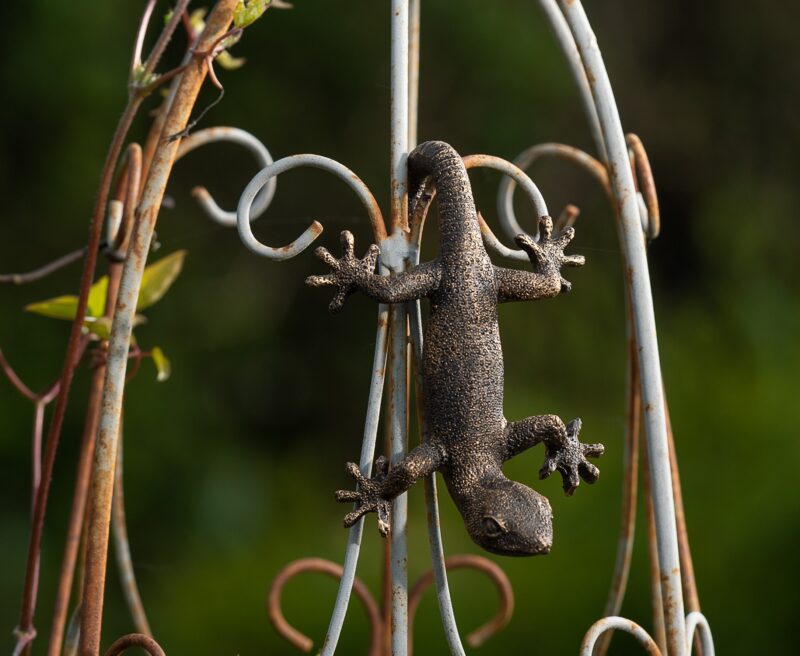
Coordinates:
<point>230,465</point>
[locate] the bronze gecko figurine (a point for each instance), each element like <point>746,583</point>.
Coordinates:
<point>468,437</point>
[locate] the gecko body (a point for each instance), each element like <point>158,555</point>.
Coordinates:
<point>468,437</point>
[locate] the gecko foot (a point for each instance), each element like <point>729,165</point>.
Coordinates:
<point>547,254</point>
<point>367,498</point>
<point>569,458</point>
<point>346,271</point>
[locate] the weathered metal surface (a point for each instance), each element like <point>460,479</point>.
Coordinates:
<point>398,149</point>
<point>563,35</point>
<point>258,150</point>
<point>135,640</point>
<point>638,282</point>
<point>646,185</point>
<point>295,637</point>
<point>315,229</point>
<point>515,173</point>
<point>618,624</point>
<point>122,549</point>
<point>365,463</point>
<point>469,438</point>
<point>697,626</point>
<point>498,578</point>
<point>122,326</point>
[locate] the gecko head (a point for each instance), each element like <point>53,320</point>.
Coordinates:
<point>510,519</point>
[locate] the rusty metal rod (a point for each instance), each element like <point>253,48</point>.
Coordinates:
<point>103,476</point>
<point>296,638</point>
<point>122,549</point>
<point>135,640</point>
<point>128,187</point>
<point>630,465</point>
<point>498,578</point>
<point>638,281</point>
<point>356,532</point>
<point>30,587</point>
<point>257,149</point>
<point>620,624</point>
<point>77,514</point>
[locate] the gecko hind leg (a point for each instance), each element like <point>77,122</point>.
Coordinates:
<point>367,498</point>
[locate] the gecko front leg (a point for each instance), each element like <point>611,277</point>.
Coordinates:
<point>564,452</point>
<point>375,494</point>
<point>547,257</point>
<point>349,274</point>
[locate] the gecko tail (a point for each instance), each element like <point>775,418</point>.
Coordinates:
<point>440,163</point>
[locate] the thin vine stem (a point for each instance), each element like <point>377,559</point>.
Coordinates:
<point>25,630</point>
<point>43,271</point>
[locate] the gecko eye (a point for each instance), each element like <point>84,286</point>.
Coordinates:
<point>491,527</point>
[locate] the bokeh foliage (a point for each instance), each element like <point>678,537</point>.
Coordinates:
<point>230,465</point>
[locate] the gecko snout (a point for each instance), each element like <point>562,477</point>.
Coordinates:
<point>511,519</point>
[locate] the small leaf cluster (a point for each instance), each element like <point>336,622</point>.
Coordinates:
<point>156,281</point>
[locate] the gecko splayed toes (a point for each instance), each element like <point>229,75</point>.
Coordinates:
<point>468,437</point>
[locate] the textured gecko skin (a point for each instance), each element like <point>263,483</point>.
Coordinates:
<point>468,438</point>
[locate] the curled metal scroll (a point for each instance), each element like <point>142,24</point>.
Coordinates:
<point>619,624</point>
<point>505,194</point>
<point>697,622</point>
<point>135,640</point>
<point>232,135</point>
<point>646,185</point>
<point>295,637</point>
<point>498,578</point>
<point>515,174</point>
<point>315,229</point>
<point>640,164</point>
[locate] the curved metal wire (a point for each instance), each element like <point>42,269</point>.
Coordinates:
<point>439,565</point>
<point>619,624</point>
<point>637,277</point>
<point>646,185</point>
<point>563,35</point>
<point>496,575</point>
<point>697,622</point>
<point>296,638</point>
<point>119,529</point>
<point>315,229</point>
<point>630,466</point>
<point>365,464</point>
<point>233,135</point>
<point>515,173</point>
<point>505,194</point>
<point>135,640</point>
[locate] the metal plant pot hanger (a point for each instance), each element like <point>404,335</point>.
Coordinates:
<point>622,169</point>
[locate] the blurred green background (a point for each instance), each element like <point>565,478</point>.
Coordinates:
<point>231,463</point>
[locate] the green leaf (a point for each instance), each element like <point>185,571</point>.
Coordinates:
<point>158,277</point>
<point>197,20</point>
<point>96,306</point>
<point>61,307</point>
<point>163,366</point>
<point>229,62</point>
<point>65,307</point>
<point>248,12</point>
